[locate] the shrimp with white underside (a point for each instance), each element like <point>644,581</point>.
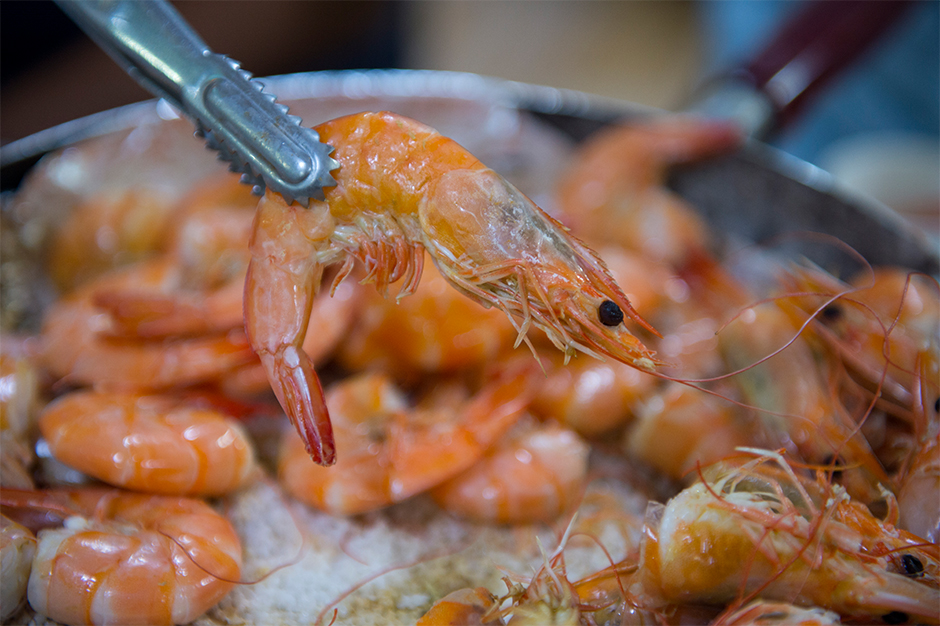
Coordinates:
<point>112,557</point>
<point>402,189</point>
<point>156,444</point>
<point>757,530</point>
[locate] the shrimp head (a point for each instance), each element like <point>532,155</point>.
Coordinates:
<point>495,245</point>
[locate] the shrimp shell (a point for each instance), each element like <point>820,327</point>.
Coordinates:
<point>124,558</point>
<point>157,444</point>
<point>402,188</point>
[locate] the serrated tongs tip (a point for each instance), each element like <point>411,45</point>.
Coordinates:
<point>245,124</point>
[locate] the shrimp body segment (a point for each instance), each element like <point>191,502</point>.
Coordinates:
<point>157,444</point>
<point>123,558</point>
<point>402,188</point>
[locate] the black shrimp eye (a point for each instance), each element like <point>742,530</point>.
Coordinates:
<point>936,406</point>
<point>895,617</point>
<point>832,313</point>
<point>911,566</point>
<point>609,313</point>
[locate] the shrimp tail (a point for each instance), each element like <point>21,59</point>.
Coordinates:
<point>298,388</point>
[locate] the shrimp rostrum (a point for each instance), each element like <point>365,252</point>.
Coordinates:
<point>402,188</point>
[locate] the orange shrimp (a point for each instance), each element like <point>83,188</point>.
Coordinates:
<point>920,479</point>
<point>156,444</point>
<point>592,397</point>
<point>798,405</point>
<point>19,406</point>
<point>681,427</point>
<point>534,474</point>
<point>766,613</point>
<point>464,607</point>
<point>79,346</point>
<point>17,548</point>
<point>124,558</point>
<point>395,451</point>
<point>756,530</point>
<point>402,190</point>
<point>879,324</point>
<point>616,192</point>
<point>435,329</point>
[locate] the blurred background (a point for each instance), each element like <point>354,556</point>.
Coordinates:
<point>650,52</point>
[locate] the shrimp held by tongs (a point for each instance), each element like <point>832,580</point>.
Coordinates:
<point>402,188</point>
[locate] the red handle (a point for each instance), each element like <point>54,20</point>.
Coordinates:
<point>818,42</point>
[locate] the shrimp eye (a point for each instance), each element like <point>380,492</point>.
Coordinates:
<point>832,313</point>
<point>936,406</point>
<point>895,617</point>
<point>835,462</point>
<point>609,313</point>
<point>911,566</point>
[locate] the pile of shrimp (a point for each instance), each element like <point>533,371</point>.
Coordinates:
<point>428,331</point>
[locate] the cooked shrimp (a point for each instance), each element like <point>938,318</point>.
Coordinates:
<point>798,405</point>
<point>402,190</point>
<point>124,558</point>
<point>395,451</point>
<point>681,427</point>
<point>156,444</point>
<point>616,193</point>
<point>756,530</point>
<point>590,396</point>
<point>764,613</point>
<point>920,481</point>
<point>17,548</point>
<point>79,346</point>
<point>878,324</point>
<point>19,406</point>
<point>534,474</point>
<point>464,607</point>
<point>435,329</point>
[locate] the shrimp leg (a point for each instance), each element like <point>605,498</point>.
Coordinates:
<point>282,280</point>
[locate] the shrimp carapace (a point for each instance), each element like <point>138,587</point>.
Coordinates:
<point>402,188</point>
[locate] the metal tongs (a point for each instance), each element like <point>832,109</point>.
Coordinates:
<point>156,46</point>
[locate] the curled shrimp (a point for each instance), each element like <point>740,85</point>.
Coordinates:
<point>533,474</point>
<point>681,427</point>
<point>395,450</point>
<point>17,548</point>
<point>79,344</point>
<point>156,444</point>
<point>758,530</point>
<point>125,558</point>
<point>403,189</point>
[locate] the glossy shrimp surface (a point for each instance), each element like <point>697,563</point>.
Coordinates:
<point>122,558</point>
<point>396,450</point>
<point>403,189</point>
<point>17,548</point>
<point>156,444</point>
<point>756,530</point>
<point>536,473</point>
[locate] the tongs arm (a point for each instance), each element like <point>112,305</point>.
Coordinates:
<point>156,46</point>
